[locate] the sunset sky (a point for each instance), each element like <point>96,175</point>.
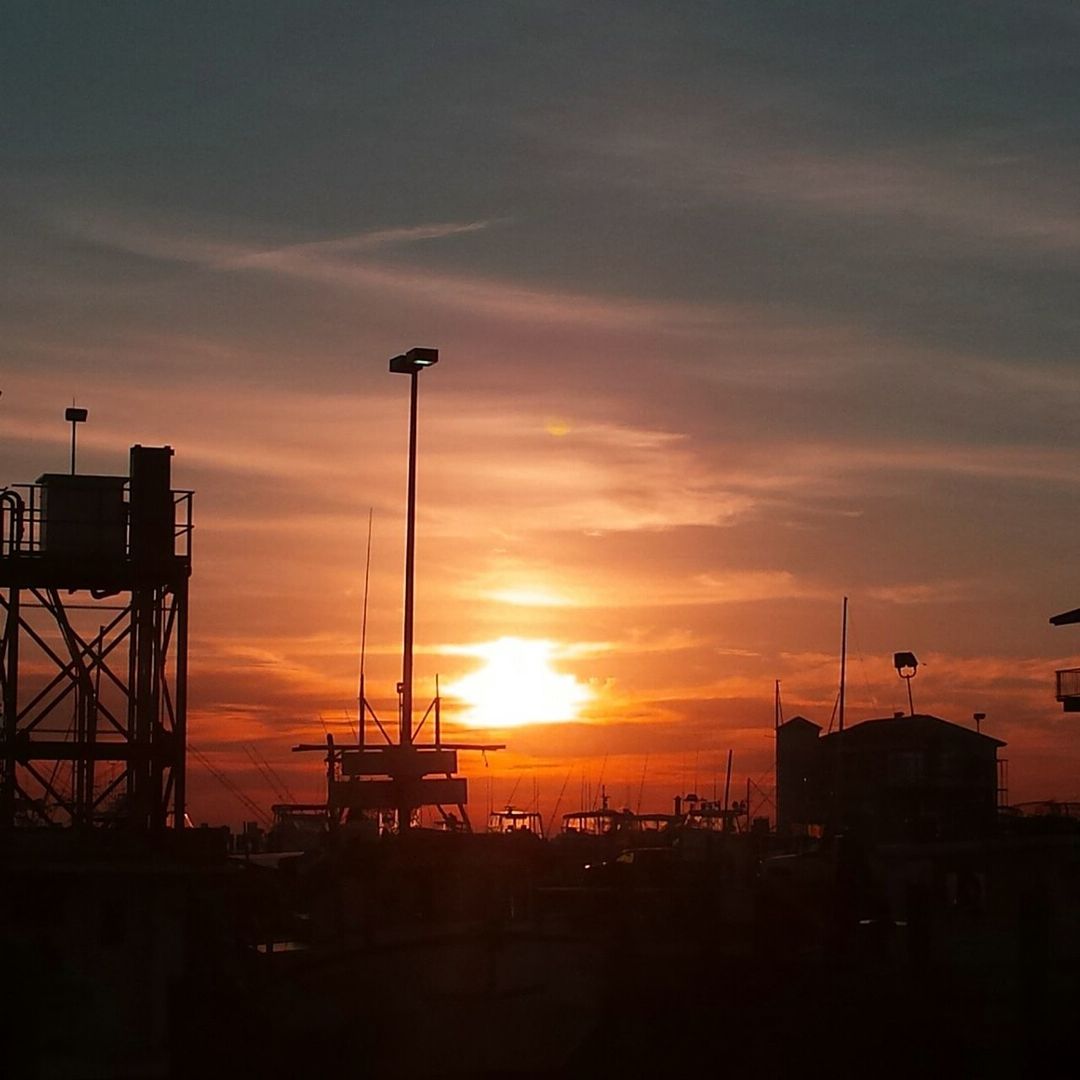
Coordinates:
<point>742,307</point>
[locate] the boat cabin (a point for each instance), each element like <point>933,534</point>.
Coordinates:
<point>513,820</point>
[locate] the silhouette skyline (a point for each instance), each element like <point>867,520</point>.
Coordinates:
<point>741,312</point>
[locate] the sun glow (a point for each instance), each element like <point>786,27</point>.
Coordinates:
<point>517,686</point>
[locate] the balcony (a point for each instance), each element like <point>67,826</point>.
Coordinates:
<point>1068,689</point>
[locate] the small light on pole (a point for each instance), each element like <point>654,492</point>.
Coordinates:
<point>74,417</point>
<point>414,361</point>
<point>906,665</point>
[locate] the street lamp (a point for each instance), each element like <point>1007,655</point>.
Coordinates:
<point>74,417</point>
<point>410,363</point>
<point>906,665</point>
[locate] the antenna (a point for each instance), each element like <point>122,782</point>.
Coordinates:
<point>361,720</point>
<point>843,665</point>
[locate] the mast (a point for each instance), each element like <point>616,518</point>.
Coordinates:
<point>843,664</point>
<point>361,696</point>
<point>838,792</point>
<point>727,787</point>
<point>778,719</point>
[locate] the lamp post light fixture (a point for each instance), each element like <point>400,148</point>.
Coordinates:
<point>74,417</point>
<point>410,363</point>
<point>906,665</point>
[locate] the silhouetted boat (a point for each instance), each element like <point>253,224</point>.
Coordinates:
<point>511,819</point>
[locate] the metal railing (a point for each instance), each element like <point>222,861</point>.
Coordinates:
<point>1068,684</point>
<point>23,522</point>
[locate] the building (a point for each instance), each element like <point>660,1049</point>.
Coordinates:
<point>1068,679</point>
<point>894,779</point>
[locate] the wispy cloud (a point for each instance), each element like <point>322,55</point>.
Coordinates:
<point>935,593</point>
<point>720,162</point>
<point>350,263</point>
<point>376,240</point>
<point>194,244</point>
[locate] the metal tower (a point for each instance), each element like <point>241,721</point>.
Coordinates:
<point>93,647</point>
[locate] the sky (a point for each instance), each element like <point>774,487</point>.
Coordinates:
<point>742,308</point>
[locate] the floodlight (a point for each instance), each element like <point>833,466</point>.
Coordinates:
<point>902,660</point>
<point>906,666</point>
<point>413,361</point>
<point>74,417</point>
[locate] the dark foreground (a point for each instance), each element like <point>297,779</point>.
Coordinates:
<point>497,956</point>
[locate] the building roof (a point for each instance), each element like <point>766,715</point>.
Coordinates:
<point>801,721</point>
<point>922,725</point>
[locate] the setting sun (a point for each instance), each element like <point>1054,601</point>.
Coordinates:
<point>517,686</point>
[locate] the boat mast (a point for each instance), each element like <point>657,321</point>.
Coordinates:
<point>843,664</point>
<point>361,696</point>
<point>778,719</point>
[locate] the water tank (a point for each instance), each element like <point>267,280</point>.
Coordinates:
<point>83,516</point>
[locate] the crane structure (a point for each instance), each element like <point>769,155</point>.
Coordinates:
<point>94,574</point>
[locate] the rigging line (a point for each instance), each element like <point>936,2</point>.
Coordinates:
<point>231,785</point>
<point>600,781</point>
<point>832,717</point>
<point>378,724</point>
<point>513,790</point>
<point>866,681</point>
<point>558,801</point>
<point>288,794</point>
<point>641,786</point>
<point>273,784</point>
<point>268,774</point>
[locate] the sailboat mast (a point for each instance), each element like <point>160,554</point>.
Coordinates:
<point>843,664</point>
<point>778,719</point>
<point>361,696</point>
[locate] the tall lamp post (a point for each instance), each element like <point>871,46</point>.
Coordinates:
<point>411,364</point>
<point>906,666</point>
<point>74,417</point>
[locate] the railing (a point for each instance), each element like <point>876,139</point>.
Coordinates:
<point>12,520</point>
<point>1068,684</point>
<point>183,523</point>
<point>23,522</point>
